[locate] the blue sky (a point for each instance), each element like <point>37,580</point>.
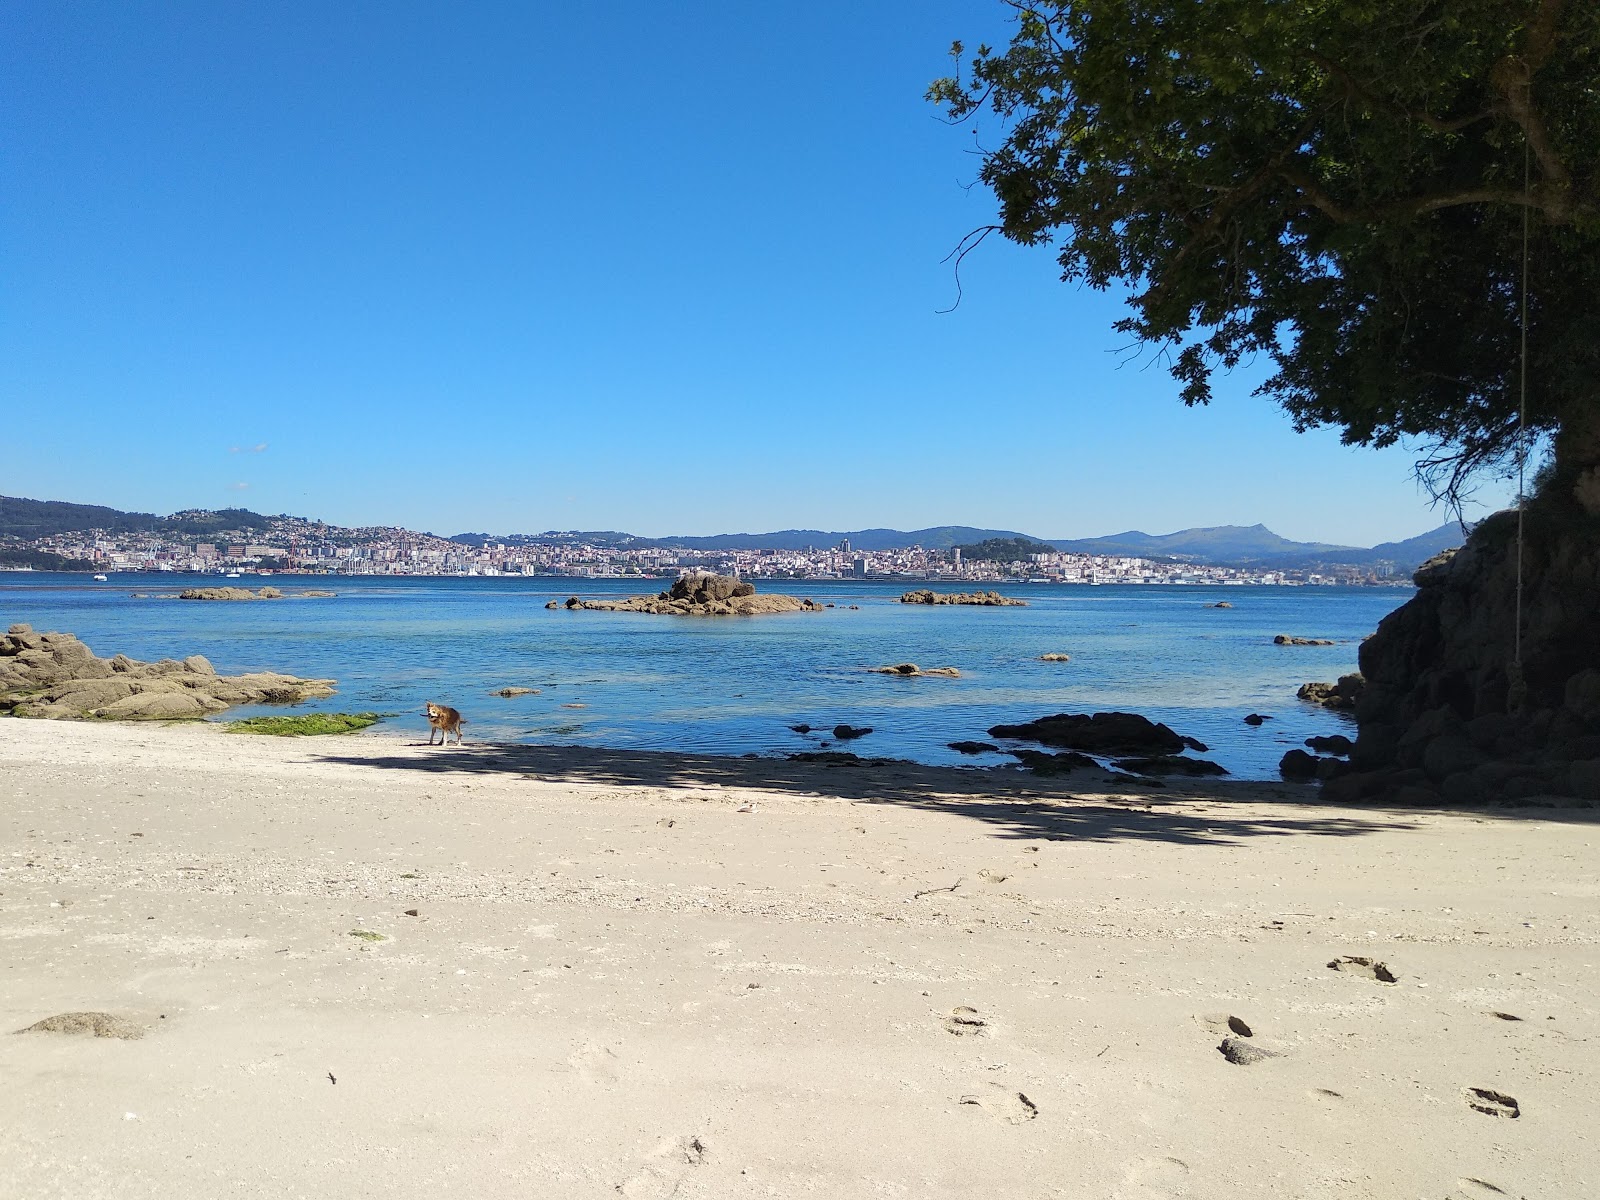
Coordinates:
<point>519,266</point>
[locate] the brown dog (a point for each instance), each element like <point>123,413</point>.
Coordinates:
<point>443,720</point>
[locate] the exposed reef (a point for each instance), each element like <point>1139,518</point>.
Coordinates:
<point>698,595</point>
<point>56,676</point>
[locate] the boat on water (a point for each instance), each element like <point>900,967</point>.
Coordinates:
<point>100,579</point>
<point>233,575</point>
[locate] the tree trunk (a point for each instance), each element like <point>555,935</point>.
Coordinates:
<point>1577,451</point>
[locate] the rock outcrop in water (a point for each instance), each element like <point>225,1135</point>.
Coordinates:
<point>238,593</point>
<point>912,671</point>
<point>1447,714</point>
<point>699,595</point>
<point>980,599</point>
<point>56,676</point>
<point>1103,733</point>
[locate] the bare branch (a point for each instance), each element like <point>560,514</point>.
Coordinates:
<point>970,242</point>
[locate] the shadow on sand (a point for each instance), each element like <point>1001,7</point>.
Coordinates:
<point>1090,806</point>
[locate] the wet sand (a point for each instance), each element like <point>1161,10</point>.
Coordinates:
<point>656,975</point>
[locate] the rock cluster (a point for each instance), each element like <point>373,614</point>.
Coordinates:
<point>1154,748</point>
<point>54,675</point>
<point>1343,694</point>
<point>238,593</point>
<point>1284,639</point>
<point>1447,714</point>
<point>912,671</point>
<point>1104,733</point>
<point>983,599</point>
<point>229,593</point>
<point>699,595</point>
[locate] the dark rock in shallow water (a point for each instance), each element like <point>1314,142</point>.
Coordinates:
<point>1099,733</point>
<point>1041,763</point>
<point>975,747</point>
<point>1297,764</point>
<point>839,758</point>
<point>1169,764</point>
<point>1256,719</point>
<point>1343,694</point>
<point>1335,743</point>
<point>846,733</point>
<point>1284,639</point>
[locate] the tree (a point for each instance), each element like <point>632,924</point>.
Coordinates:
<point>1342,186</point>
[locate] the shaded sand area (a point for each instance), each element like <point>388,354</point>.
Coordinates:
<point>901,982</point>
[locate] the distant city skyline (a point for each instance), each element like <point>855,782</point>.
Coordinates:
<point>517,269</point>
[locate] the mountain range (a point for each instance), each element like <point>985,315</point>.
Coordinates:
<point>1220,545</point>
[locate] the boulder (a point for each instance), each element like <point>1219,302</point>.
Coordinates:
<point>847,733</point>
<point>1334,743</point>
<point>63,679</point>
<point>1055,658</point>
<point>1583,779</point>
<point>1297,764</point>
<point>1284,639</point>
<point>159,706</point>
<point>911,670</point>
<point>1104,733</point>
<point>1346,693</point>
<point>1256,718</point>
<point>974,747</point>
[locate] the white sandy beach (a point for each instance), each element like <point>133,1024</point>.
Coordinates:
<point>616,982</point>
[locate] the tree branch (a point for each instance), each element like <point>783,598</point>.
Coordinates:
<point>1354,88</point>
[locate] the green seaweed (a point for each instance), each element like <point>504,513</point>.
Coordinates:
<point>366,935</point>
<point>305,724</point>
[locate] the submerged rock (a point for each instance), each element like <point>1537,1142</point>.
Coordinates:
<point>1283,639</point>
<point>1169,764</point>
<point>1041,763</point>
<point>974,747</point>
<point>912,671</point>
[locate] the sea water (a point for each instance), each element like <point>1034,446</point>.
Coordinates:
<point>735,685</point>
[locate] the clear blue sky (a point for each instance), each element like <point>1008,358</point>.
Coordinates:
<point>668,268</point>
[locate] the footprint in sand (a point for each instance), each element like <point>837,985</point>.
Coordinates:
<point>1493,1103</point>
<point>1470,1188</point>
<point>594,1063</point>
<point>992,876</point>
<point>663,1170</point>
<point>1366,968</point>
<point>1003,1103</point>
<point>1157,1179</point>
<point>965,1021</point>
<point>1225,1023</point>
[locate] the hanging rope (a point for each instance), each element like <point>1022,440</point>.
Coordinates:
<point>1517,689</point>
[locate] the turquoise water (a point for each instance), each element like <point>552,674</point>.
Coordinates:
<point>734,685</point>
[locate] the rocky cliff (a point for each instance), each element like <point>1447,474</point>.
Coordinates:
<point>1447,714</point>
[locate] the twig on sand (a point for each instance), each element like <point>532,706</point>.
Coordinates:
<point>931,891</point>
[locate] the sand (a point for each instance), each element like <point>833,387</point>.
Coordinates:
<point>602,974</point>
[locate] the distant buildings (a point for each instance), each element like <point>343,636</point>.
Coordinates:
<point>292,543</point>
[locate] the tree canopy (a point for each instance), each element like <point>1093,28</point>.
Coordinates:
<point>1338,185</point>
